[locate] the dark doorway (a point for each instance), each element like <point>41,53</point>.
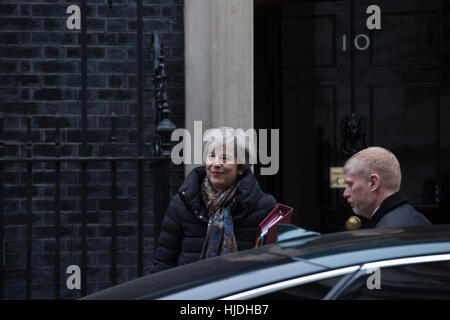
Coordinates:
<point>310,74</point>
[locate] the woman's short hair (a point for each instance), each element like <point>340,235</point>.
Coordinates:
<point>376,160</point>
<point>240,141</point>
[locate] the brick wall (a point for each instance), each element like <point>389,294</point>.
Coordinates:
<point>41,76</point>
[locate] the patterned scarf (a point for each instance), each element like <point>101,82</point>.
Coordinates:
<point>220,235</point>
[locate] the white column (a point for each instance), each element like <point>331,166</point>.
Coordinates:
<point>219,63</point>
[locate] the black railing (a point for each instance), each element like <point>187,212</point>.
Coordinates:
<point>158,163</point>
<point>160,166</point>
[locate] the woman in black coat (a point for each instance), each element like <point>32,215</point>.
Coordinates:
<point>218,208</point>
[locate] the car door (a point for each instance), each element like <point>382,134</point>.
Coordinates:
<point>422,277</point>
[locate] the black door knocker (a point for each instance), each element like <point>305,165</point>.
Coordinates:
<point>353,134</point>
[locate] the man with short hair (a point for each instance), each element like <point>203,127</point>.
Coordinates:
<point>373,179</point>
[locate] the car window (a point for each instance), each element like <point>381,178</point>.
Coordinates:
<point>315,290</point>
<point>429,280</point>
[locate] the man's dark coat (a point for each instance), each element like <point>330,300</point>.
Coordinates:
<point>394,211</point>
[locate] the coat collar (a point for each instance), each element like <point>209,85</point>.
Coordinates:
<point>390,203</point>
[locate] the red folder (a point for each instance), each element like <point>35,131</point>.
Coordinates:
<point>267,230</point>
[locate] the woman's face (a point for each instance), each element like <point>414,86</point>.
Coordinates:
<point>221,168</point>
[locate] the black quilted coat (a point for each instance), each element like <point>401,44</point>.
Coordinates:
<point>185,223</point>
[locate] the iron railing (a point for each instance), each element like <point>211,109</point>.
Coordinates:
<point>158,163</point>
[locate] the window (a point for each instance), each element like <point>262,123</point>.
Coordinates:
<point>430,280</point>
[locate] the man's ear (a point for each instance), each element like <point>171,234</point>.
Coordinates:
<point>374,182</point>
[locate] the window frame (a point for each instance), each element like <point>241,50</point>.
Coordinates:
<point>350,274</point>
<point>335,294</point>
<point>263,290</point>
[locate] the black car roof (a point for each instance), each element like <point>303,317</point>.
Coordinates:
<point>322,253</point>
<point>193,274</point>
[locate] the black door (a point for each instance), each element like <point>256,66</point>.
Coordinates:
<point>316,62</point>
